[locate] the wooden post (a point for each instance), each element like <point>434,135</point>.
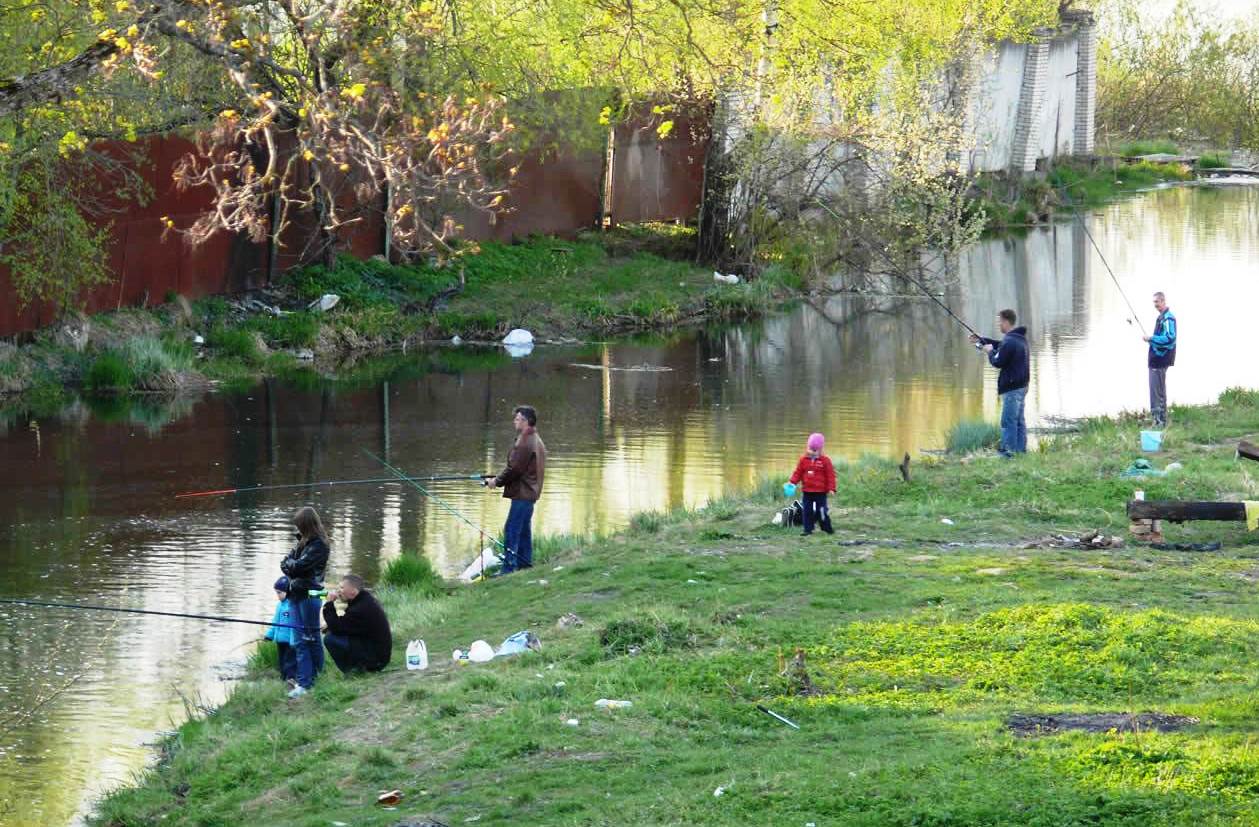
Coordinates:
<point>1179,511</point>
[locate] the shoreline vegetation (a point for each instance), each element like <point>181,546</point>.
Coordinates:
<point>635,279</point>
<point>905,648</point>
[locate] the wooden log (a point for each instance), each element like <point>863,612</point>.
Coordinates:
<point>1179,511</point>
<point>1248,450</point>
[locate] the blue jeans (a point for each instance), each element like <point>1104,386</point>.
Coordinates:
<point>518,537</point>
<point>1013,425</point>
<point>309,646</point>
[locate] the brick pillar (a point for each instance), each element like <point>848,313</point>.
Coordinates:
<point>1031,104</point>
<point>1086,88</point>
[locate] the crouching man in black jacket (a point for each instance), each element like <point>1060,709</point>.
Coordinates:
<point>360,639</point>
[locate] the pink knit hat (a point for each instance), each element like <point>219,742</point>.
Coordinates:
<point>816,441</point>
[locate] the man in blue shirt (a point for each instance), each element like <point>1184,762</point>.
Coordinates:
<point>1010,356</point>
<point>1162,356</point>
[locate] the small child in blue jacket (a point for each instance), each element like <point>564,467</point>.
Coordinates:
<point>285,636</point>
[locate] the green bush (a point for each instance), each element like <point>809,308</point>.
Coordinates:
<point>233,343</point>
<point>1214,160</point>
<point>292,330</point>
<point>1135,149</point>
<point>653,633</point>
<point>970,436</point>
<point>413,572</point>
<point>109,372</point>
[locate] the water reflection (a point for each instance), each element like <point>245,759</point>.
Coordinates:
<point>87,497</point>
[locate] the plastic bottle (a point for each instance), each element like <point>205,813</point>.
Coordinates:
<point>417,655</point>
<point>604,703</point>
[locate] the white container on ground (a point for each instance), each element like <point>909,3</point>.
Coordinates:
<point>417,655</point>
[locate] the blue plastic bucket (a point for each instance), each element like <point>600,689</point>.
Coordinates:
<point>1151,441</point>
<point>789,490</point>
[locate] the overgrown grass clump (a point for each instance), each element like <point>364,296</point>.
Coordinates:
<point>970,436</point>
<point>1135,149</point>
<point>413,572</point>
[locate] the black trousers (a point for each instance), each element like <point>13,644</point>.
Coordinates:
<point>352,654</point>
<point>816,511</point>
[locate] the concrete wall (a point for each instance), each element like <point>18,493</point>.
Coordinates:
<point>1034,101</point>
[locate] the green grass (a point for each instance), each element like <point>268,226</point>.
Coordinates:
<point>1215,160</point>
<point>971,436</point>
<point>415,573</point>
<point>915,648</point>
<point>1134,149</point>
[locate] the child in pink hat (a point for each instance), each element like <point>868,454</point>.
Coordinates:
<point>817,474</point>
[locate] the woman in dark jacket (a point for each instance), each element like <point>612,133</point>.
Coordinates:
<point>304,566</point>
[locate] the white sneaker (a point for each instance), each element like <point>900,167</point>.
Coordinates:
<point>297,692</point>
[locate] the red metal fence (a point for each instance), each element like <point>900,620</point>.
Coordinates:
<point>558,194</point>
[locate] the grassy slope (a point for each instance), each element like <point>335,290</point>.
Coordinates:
<point>631,279</point>
<point>920,648</point>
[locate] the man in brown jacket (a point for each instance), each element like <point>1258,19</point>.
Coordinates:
<point>521,482</point>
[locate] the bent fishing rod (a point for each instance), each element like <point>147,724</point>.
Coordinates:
<point>250,488</point>
<point>401,477</point>
<point>13,601</point>
<point>915,282</point>
<point>1084,226</point>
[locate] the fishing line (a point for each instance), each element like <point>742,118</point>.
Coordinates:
<point>914,282</point>
<point>219,491</point>
<point>88,607</point>
<point>1113,277</point>
<point>404,478</point>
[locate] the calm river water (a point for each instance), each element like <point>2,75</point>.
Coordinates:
<point>87,500</point>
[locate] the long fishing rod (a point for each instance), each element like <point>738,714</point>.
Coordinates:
<point>916,283</point>
<point>1113,277</point>
<point>249,488</point>
<point>88,607</point>
<point>412,480</point>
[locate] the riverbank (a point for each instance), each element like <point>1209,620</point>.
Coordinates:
<point>1022,202</point>
<point>901,647</point>
<point>629,280</point>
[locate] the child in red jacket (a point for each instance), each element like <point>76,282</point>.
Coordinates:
<point>818,475</point>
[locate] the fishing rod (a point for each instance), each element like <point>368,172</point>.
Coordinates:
<point>1113,277</point>
<point>249,488</point>
<point>916,283</point>
<point>412,480</point>
<point>88,607</point>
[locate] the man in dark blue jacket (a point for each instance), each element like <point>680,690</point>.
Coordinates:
<point>1010,355</point>
<point>1162,356</point>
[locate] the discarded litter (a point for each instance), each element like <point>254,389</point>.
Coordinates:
<point>389,798</point>
<point>569,621</point>
<point>605,703</point>
<point>480,652</point>
<point>1151,441</point>
<point>456,340</point>
<point>518,342</point>
<point>728,278</point>
<point>324,303</point>
<point>417,655</point>
<point>719,792</point>
<point>572,722</point>
<point>517,643</point>
<point>1141,467</point>
<point>946,521</point>
<point>487,561</point>
<point>778,717</point>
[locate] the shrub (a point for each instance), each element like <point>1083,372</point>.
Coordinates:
<point>1135,149</point>
<point>233,343</point>
<point>974,435</point>
<point>109,372</point>
<point>1214,160</point>
<point>651,633</point>
<point>413,572</point>
<point>291,330</point>
<point>155,365</point>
